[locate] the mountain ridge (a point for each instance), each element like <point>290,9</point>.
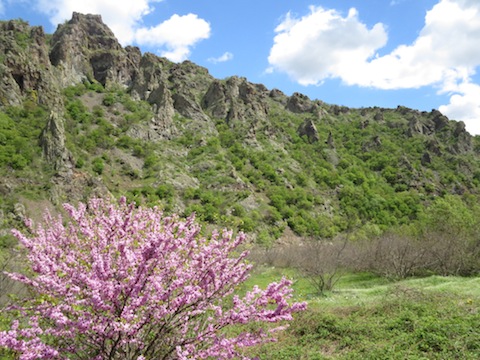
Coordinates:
<point>111,120</point>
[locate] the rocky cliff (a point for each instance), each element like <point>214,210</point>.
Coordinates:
<point>39,66</point>
<point>150,121</point>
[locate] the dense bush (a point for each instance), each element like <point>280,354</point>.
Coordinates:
<point>117,281</point>
<point>19,135</point>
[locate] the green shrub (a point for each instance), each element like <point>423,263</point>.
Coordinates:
<point>109,99</point>
<point>98,165</point>
<point>165,191</point>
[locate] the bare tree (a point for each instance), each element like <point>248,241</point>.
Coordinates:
<point>397,256</point>
<point>323,263</point>
<point>452,254</point>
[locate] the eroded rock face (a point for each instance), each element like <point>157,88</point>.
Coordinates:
<point>85,48</point>
<point>150,83</point>
<point>215,100</point>
<point>439,120</point>
<point>27,74</point>
<point>150,75</point>
<point>188,107</point>
<point>463,138</point>
<point>309,130</point>
<point>53,143</point>
<point>278,96</point>
<point>236,100</point>
<point>416,127</point>
<point>25,71</point>
<point>299,103</point>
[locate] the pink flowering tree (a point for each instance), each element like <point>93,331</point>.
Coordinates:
<point>120,282</point>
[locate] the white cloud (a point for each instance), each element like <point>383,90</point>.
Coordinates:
<point>227,56</point>
<point>324,44</point>
<point>465,105</point>
<point>178,34</point>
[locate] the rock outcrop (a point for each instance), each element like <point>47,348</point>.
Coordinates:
<point>309,130</point>
<point>150,83</point>
<point>85,48</point>
<point>236,100</point>
<point>53,143</point>
<point>299,103</point>
<point>25,71</point>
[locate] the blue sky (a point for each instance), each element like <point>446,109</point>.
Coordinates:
<point>422,54</point>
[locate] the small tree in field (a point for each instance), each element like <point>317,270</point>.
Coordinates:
<point>120,282</point>
<point>322,263</point>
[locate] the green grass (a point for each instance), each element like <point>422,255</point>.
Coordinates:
<point>368,317</point>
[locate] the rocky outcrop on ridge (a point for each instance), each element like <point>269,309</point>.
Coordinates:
<point>85,48</point>
<point>37,67</point>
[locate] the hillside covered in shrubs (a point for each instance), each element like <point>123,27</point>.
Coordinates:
<point>81,116</point>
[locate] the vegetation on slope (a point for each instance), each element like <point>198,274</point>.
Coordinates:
<point>363,174</point>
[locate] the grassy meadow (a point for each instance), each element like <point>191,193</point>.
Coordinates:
<point>368,317</point>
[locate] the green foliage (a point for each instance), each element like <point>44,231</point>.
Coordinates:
<point>109,99</point>
<point>369,173</point>
<point>207,205</point>
<point>452,214</point>
<point>98,165</point>
<point>20,130</point>
<point>371,320</point>
<point>95,86</point>
<point>165,191</point>
<point>74,91</point>
<point>78,111</point>
<point>6,242</point>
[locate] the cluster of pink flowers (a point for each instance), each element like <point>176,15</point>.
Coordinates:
<point>120,282</point>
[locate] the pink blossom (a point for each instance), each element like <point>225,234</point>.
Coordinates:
<point>117,281</point>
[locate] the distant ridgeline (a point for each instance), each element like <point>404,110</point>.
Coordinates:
<point>82,116</point>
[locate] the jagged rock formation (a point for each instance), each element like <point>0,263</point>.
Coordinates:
<point>53,144</point>
<point>25,70</point>
<point>85,48</point>
<point>236,100</point>
<point>215,100</point>
<point>274,156</point>
<point>309,130</point>
<point>435,122</point>
<point>150,83</point>
<point>299,103</point>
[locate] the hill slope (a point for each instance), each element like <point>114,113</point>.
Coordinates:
<point>82,116</point>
